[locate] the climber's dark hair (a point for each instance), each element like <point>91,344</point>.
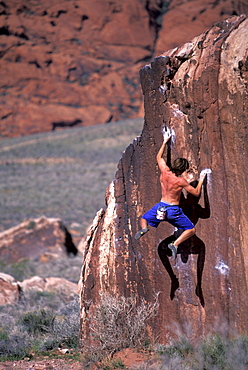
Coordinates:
<point>179,165</point>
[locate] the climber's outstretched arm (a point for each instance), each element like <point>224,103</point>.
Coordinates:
<point>161,162</point>
<point>196,191</point>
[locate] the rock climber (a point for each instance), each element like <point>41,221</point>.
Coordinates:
<point>172,183</point>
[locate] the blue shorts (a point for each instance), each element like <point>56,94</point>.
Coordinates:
<point>174,215</point>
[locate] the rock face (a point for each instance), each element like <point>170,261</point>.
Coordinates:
<point>49,284</point>
<point>199,90</point>
<point>12,291</point>
<point>77,62</point>
<point>184,20</point>
<point>9,290</point>
<point>42,238</point>
<point>72,62</point>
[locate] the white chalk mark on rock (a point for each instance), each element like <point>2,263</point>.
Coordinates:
<point>223,268</point>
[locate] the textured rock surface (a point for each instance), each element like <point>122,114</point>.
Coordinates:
<point>50,284</point>
<point>199,90</point>
<point>72,61</point>
<point>9,290</point>
<point>12,291</point>
<point>42,238</point>
<point>184,20</point>
<point>78,60</point>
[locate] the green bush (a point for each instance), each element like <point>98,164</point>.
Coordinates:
<point>48,343</point>
<point>112,364</point>
<point>66,326</point>
<point>14,345</point>
<point>180,349</point>
<point>215,352</point>
<point>26,328</point>
<point>38,323</point>
<point>31,225</point>
<point>219,353</point>
<point>3,336</point>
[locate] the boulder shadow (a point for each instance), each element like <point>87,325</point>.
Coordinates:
<point>193,245</point>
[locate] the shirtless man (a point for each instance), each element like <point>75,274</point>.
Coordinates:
<point>172,184</point>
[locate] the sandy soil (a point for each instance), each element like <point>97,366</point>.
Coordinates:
<point>42,365</point>
<point>129,357</point>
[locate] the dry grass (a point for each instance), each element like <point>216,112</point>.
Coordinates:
<point>62,173</point>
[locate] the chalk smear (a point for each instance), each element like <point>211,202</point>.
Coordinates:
<point>165,129</point>
<point>223,268</point>
<point>206,171</point>
<point>163,89</point>
<point>173,136</point>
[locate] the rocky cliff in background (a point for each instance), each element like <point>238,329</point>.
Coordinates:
<point>12,291</point>
<point>42,239</point>
<point>76,62</point>
<point>199,90</point>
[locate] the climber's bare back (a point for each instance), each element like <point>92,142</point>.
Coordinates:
<point>171,186</point>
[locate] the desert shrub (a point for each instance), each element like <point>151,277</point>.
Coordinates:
<point>38,298</point>
<point>19,270</point>
<point>26,328</point>
<point>174,355</point>
<point>14,345</point>
<point>67,323</point>
<point>119,323</point>
<point>65,329</point>
<point>46,344</point>
<point>3,335</point>
<point>38,323</point>
<point>112,363</point>
<point>53,301</point>
<point>215,352</point>
<point>31,225</point>
<point>239,351</point>
<point>181,348</point>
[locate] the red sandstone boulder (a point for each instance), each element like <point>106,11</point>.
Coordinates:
<point>51,284</point>
<point>200,90</point>
<point>9,290</point>
<point>12,291</point>
<point>42,238</point>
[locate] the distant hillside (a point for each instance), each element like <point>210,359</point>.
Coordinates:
<point>61,174</point>
<point>79,61</point>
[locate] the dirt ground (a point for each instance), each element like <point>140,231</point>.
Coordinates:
<point>128,356</point>
<point>42,365</point>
